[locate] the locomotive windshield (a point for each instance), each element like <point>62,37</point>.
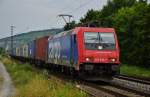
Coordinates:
<point>99,41</point>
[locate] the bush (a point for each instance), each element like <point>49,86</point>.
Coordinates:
<point>2,51</point>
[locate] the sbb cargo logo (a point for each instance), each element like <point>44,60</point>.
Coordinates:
<point>54,50</point>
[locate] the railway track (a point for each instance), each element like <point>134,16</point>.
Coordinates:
<point>107,91</point>
<point>140,86</point>
<point>102,89</point>
<point>134,78</point>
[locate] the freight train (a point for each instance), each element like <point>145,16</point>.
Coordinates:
<point>87,52</point>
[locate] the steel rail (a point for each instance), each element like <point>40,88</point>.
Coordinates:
<point>133,84</point>
<point>134,78</point>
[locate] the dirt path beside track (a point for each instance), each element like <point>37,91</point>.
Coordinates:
<point>6,86</point>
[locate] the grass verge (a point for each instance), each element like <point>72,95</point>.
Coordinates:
<point>30,83</point>
<point>135,71</point>
<point>1,80</point>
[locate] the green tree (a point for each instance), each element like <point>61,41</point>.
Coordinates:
<point>132,27</point>
<point>114,5</point>
<point>91,15</point>
<point>70,25</point>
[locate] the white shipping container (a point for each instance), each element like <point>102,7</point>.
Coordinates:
<point>25,50</point>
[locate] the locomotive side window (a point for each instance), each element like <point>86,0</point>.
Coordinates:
<point>99,41</point>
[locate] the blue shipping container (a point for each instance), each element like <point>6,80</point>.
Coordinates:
<point>31,49</point>
<point>59,50</point>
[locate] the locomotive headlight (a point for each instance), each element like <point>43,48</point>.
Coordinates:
<point>87,59</point>
<point>112,59</point>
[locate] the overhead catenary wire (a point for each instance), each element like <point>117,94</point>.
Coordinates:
<point>72,11</point>
<point>80,6</point>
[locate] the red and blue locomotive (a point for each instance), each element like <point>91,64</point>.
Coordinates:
<point>86,51</point>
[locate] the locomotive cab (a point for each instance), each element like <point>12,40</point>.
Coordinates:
<point>99,51</point>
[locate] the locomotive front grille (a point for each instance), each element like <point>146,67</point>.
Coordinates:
<point>99,68</point>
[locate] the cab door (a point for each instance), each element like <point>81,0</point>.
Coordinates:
<point>74,50</point>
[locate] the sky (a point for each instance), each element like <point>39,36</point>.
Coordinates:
<point>29,15</point>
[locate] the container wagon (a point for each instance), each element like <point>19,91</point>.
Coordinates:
<point>41,50</point>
